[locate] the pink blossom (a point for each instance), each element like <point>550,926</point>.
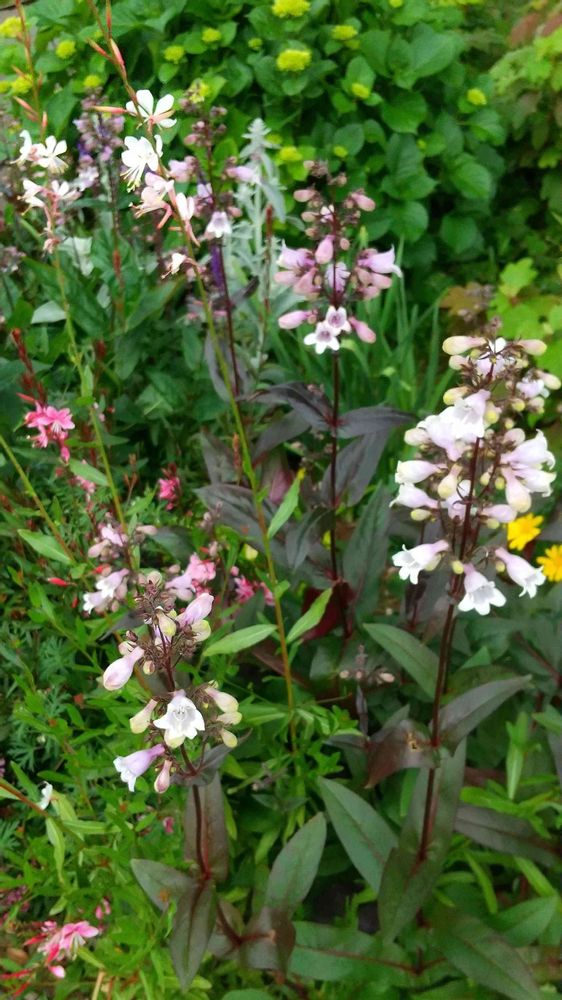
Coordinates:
<point>363,331</point>
<point>63,942</point>
<point>198,573</point>
<point>169,488</point>
<point>300,272</point>
<point>244,589</point>
<point>325,250</point>
<point>134,765</point>
<point>290,320</point>
<point>52,426</point>
<point>117,674</point>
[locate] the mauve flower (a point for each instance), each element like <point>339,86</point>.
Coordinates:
<point>162,782</point>
<point>119,672</point>
<point>363,330</point>
<point>218,226</point>
<point>290,320</point>
<point>325,250</point>
<point>131,767</point>
<point>321,338</point>
<point>195,616</point>
<point>522,572</point>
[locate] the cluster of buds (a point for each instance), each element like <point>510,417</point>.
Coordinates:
<point>169,487</point>
<point>478,470</point>
<point>52,426</point>
<point>112,546</point>
<point>188,712</point>
<point>46,192</point>
<point>100,136</point>
<point>331,272</point>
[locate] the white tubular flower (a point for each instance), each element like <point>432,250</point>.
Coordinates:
<point>522,572</point>
<point>414,471</point>
<point>182,721</point>
<point>140,722</point>
<point>480,593</point>
<point>321,338</point>
<point>224,702</point>
<point>148,113</point>
<point>138,156</point>
<point>422,557</point>
<point>119,672</point>
<point>134,764</point>
<point>218,226</point>
<point>46,795</point>
<point>459,345</point>
<point>48,155</point>
<point>336,320</point>
<point>411,496</point>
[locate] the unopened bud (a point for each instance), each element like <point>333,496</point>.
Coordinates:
<point>457,362</point>
<point>457,392</point>
<point>485,478</point>
<point>535,347</point>
<point>509,424</point>
<point>551,381</point>
<point>448,485</point>
<point>148,667</point>
<point>420,514</point>
<point>154,578</point>
<point>518,405</point>
<point>457,567</point>
<point>141,721</point>
<point>500,566</point>
<point>458,345</point>
<point>500,483</point>
<point>492,523</point>
<point>492,414</point>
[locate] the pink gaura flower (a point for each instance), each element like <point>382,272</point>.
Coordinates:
<point>169,488</point>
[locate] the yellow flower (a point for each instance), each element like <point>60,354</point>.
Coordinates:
<point>551,563</point>
<point>255,43</point>
<point>174,53</point>
<point>65,49</point>
<point>210,35</point>
<point>21,85</point>
<point>522,531</point>
<point>290,8</point>
<point>477,97</point>
<point>343,32</point>
<point>10,28</point>
<point>361,91</point>
<point>92,81</point>
<point>293,60</point>
<point>289,154</point>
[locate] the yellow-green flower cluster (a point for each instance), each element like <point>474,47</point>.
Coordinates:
<point>92,81</point>
<point>10,28</point>
<point>65,49</point>
<point>361,91</point>
<point>256,43</point>
<point>343,32</point>
<point>290,8</point>
<point>174,53</point>
<point>293,60</point>
<point>477,97</point>
<point>21,85</point>
<point>289,154</point>
<point>210,35</point>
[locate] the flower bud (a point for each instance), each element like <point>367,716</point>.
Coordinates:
<point>551,381</point>
<point>500,566</point>
<point>457,392</point>
<point>492,414</point>
<point>457,567</point>
<point>458,345</point>
<point>500,483</point>
<point>141,721</point>
<point>534,347</point>
<point>154,578</point>
<point>419,514</point>
<point>457,362</point>
<point>492,523</point>
<point>416,436</point>
<point>162,782</point>
<point>449,483</point>
<point>485,479</point>
<point>229,739</point>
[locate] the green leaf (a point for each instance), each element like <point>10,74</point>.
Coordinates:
<point>471,178</point>
<point>351,137</point>
<point>459,232</point>
<point>193,925</point>
<point>405,112</point>
<point>294,869</point>
<point>505,834</point>
<point>431,51</point>
<point>365,836</point>
<point>213,835</point>
<point>415,658</point>
<point>49,312</point>
<point>480,954</point>
<point>331,954</point>
<point>311,617</point>
<point>45,545</point>
<point>408,880</point>
<point>160,882</point>
<point>464,713</point>
<point>523,924</point>
<point>88,472</point>
<point>517,276</point>
<point>246,995</point>
<point>242,639</point>
<point>285,510</point>
<point>56,839</point>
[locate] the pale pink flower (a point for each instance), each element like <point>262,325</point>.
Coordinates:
<point>290,320</point>
<point>134,765</point>
<point>336,319</point>
<point>522,572</point>
<point>325,250</point>
<point>169,488</point>
<point>480,594</point>
<point>117,674</point>
<point>322,337</point>
<point>363,330</point>
<point>411,562</point>
<point>218,226</point>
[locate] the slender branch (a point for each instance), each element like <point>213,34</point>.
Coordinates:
<point>338,583</point>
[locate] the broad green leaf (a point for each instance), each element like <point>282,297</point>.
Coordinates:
<point>213,837</point>
<point>408,880</point>
<point>311,617</point>
<point>523,924</point>
<point>45,545</point>
<point>471,178</point>
<point>160,882</point>
<point>415,658</point>
<point>464,713</point>
<point>432,51</point>
<point>88,472</point>
<point>285,510</point>
<point>365,836</point>
<point>481,954</point>
<point>193,925</point>
<point>237,641</point>
<point>294,869</point>
<point>405,112</point>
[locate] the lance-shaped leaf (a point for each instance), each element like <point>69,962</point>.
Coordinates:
<point>268,940</point>
<point>357,464</point>
<point>295,867</point>
<point>278,431</point>
<point>311,404</point>
<point>481,954</point>
<point>505,834</point>
<point>370,420</point>
<point>301,537</point>
<point>193,925</point>
<point>397,747</point>
<point>364,557</point>
<point>237,510</point>
<point>524,923</point>
<point>408,880</point>
<point>45,545</point>
<point>212,850</point>
<point>464,713</point>
<point>89,472</point>
<point>176,540</point>
<point>243,638</point>
<point>365,835</point>
<point>416,659</point>
<point>219,459</point>
<point>160,882</point>
<point>335,953</point>
<point>286,508</point>
<point>311,617</point>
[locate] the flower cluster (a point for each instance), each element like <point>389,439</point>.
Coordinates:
<point>169,487</point>
<point>475,470</point>
<point>60,943</point>
<point>52,426</point>
<point>169,638</point>
<point>100,135</point>
<point>113,546</point>
<point>245,589</point>
<point>47,193</point>
<point>330,273</point>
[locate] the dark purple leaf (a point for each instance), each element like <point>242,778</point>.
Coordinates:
<point>193,925</point>
<point>218,458</point>
<point>370,420</point>
<point>505,834</point>
<point>161,883</point>
<point>364,557</point>
<point>268,940</point>
<point>309,401</point>
<point>300,537</point>
<point>464,713</point>
<point>285,429</point>
<point>212,851</point>
<point>295,867</point>
<point>356,466</point>
<point>396,748</point>
<point>176,540</point>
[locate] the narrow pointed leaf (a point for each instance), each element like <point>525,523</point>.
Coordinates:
<point>294,869</point>
<point>213,844</point>
<point>416,659</point>
<point>243,638</point>
<point>45,546</point>
<point>464,713</point>
<point>193,925</point>
<point>311,617</point>
<point>365,835</point>
<point>160,882</point>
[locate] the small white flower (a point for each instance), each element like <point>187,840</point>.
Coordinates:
<point>522,572</point>
<point>218,226</point>
<point>422,557</point>
<point>182,721</point>
<point>480,593</point>
<point>337,320</point>
<point>48,155</point>
<point>150,115</point>
<point>30,194</point>
<point>138,156</point>
<point>176,261</point>
<point>46,794</point>
<point>322,337</point>
<point>28,149</point>
<point>414,471</point>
